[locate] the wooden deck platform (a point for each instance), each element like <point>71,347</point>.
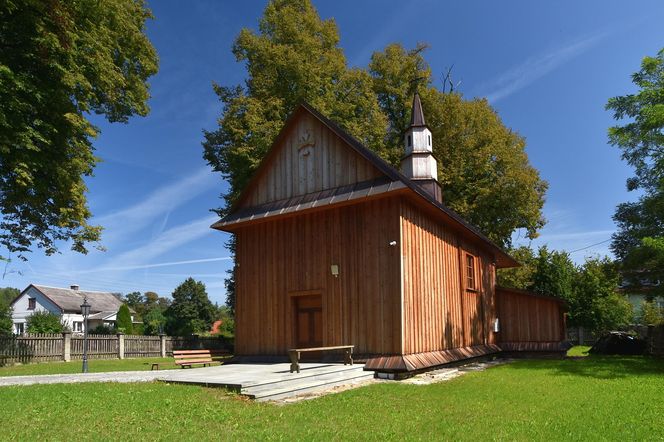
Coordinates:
<point>270,381</point>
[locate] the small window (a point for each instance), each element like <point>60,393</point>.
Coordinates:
<point>471,283</point>
<point>19,328</point>
<point>32,303</point>
<point>78,327</point>
<point>410,142</point>
<point>429,140</point>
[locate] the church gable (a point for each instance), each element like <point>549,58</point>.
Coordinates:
<point>308,157</point>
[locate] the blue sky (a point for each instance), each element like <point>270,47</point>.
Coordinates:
<point>548,68</point>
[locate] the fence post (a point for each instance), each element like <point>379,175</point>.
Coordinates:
<point>162,344</point>
<point>66,346</point>
<point>121,345</point>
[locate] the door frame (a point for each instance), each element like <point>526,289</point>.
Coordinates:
<point>292,296</point>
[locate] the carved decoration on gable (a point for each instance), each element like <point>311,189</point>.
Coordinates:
<point>306,140</point>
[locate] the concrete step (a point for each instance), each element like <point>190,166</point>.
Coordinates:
<point>299,386</point>
<point>305,373</point>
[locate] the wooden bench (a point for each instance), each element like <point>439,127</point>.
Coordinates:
<point>294,354</point>
<point>187,358</point>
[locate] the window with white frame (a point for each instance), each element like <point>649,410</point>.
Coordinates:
<point>19,328</point>
<point>78,327</point>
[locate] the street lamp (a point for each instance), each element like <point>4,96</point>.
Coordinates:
<point>85,310</point>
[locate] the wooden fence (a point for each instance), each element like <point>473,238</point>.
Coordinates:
<point>66,347</point>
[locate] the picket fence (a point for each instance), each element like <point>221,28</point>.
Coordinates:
<point>66,347</point>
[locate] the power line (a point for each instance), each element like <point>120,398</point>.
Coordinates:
<point>591,245</point>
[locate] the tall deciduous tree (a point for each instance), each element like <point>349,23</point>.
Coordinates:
<point>482,164</point>
<point>295,56</point>
<point>641,141</point>
<point>191,310</point>
<point>60,60</point>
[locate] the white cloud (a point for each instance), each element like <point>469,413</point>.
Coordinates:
<point>162,243</point>
<point>158,204</point>
<point>536,67</point>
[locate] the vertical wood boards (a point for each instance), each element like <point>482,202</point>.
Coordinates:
<point>528,318</point>
<point>281,260</point>
<point>310,158</point>
<point>439,313</point>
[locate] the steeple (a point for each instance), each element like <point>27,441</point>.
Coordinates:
<point>418,163</point>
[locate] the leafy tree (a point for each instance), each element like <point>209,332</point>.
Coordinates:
<point>59,61</point>
<point>8,294</point>
<point>595,303</point>
<point>519,277</point>
<point>554,274</point>
<point>154,322</point>
<point>6,323</point>
<point>641,140</point>
<point>123,321</point>
<point>136,302</point>
<point>483,167</point>
<point>191,310</point>
<point>650,314</point>
<point>44,322</point>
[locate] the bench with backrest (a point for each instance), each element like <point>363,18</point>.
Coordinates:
<point>295,354</point>
<point>187,358</point>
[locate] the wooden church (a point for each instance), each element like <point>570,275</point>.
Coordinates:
<point>336,247</point>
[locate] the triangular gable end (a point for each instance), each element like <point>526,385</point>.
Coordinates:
<point>306,157</point>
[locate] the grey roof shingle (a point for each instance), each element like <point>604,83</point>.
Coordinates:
<point>70,300</point>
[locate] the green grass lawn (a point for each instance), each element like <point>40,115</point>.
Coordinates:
<point>94,366</point>
<point>578,350</point>
<point>591,398</point>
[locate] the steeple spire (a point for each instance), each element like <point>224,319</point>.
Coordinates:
<point>418,163</point>
<point>416,114</point>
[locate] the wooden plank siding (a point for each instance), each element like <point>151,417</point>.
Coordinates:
<point>293,170</point>
<point>440,314</point>
<point>528,321</point>
<point>292,257</point>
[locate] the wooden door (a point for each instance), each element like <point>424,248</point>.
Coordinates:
<point>308,321</point>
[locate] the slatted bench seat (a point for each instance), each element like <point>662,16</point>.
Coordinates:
<point>187,358</point>
<point>295,353</point>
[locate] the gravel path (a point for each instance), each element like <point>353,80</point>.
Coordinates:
<point>120,376</point>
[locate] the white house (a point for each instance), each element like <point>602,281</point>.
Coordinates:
<point>65,303</point>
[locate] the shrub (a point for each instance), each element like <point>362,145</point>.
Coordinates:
<point>103,330</point>
<point>651,314</point>
<point>44,322</point>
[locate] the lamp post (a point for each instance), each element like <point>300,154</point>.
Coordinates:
<point>85,310</point>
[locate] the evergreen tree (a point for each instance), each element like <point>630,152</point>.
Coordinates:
<point>191,310</point>
<point>123,321</point>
